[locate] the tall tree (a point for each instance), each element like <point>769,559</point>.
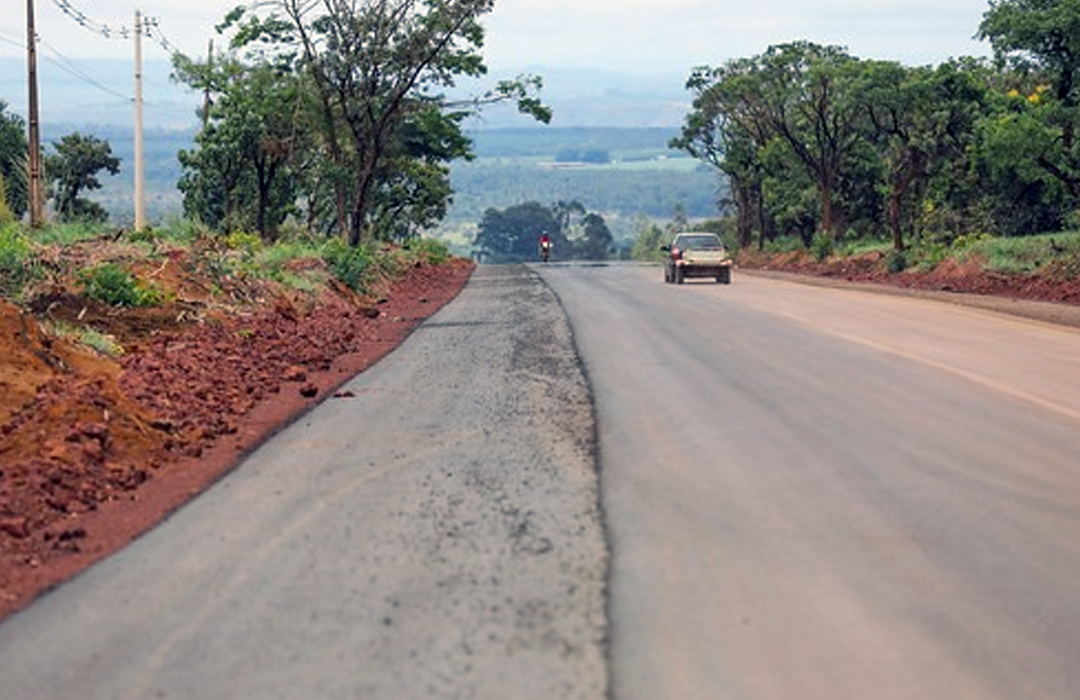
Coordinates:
<point>376,67</point>
<point>919,117</point>
<point>1044,36</point>
<point>724,132</point>
<point>240,175</point>
<point>806,98</point>
<point>73,169</point>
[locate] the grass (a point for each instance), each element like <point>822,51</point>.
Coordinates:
<point>84,336</point>
<point>1029,254</point>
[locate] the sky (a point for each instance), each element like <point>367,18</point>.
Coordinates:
<point>582,48</point>
<point>627,36</point>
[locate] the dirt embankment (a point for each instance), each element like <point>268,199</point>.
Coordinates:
<point>94,451</point>
<point>1051,296</point>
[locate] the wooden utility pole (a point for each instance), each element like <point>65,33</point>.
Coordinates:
<point>140,168</point>
<point>36,188</point>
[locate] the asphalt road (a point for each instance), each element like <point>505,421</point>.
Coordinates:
<point>803,493</point>
<point>436,536</point>
<point>814,493</point>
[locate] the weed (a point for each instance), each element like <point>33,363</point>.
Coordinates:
<point>429,250</point>
<point>85,336</point>
<point>821,248</point>
<point>113,285</point>
<point>17,263</point>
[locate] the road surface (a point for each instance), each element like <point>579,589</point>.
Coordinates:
<point>437,535</point>
<point>814,493</point>
<point>771,491</point>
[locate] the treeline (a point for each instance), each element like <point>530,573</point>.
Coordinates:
<point>814,141</point>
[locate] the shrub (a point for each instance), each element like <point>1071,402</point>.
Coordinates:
<point>821,247</point>
<point>896,261</point>
<point>17,265</point>
<point>351,266</point>
<point>429,250</point>
<point>7,217</point>
<point>113,285</point>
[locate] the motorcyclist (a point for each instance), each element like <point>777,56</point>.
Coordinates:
<point>545,246</point>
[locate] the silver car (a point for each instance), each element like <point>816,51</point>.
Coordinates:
<point>696,254</point>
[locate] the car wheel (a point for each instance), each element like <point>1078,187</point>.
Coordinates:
<point>678,275</point>
<point>724,277</point>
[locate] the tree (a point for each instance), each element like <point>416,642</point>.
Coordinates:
<point>597,241</point>
<point>13,154</point>
<point>806,98</point>
<point>1044,36</point>
<point>240,176</point>
<point>73,169</point>
<point>512,234</point>
<point>798,94</point>
<point>378,69</point>
<point>723,132</point>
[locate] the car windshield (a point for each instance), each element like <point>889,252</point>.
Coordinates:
<point>704,241</point>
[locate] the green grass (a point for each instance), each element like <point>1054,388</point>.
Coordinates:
<point>1028,254</point>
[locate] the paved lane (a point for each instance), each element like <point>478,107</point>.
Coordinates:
<point>813,493</point>
<point>437,536</point>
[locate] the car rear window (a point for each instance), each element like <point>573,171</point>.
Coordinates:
<point>698,242</point>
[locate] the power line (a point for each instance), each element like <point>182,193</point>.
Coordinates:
<point>17,43</point>
<point>68,66</point>
<point>151,27</point>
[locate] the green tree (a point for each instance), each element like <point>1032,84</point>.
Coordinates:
<point>512,234</point>
<point>920,119</point>
<point>754,118</point>
<point>379,70</point>
<point>13,154</point>
<point>1043,37</point>
<point>596,242</point>
<point>723,131</point>
<point>74,169</point>
<point>807,100</point>
<point>240,174</point>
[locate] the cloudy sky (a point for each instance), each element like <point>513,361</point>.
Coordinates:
<point>655,36</point>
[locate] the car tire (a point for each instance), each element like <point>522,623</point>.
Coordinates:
<point>724,277</point>
<point>678,275</point>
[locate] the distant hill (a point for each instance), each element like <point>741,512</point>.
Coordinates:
<point>100,92</point>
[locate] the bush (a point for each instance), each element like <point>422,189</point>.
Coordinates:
<point>17,263</point>
<point>429,250</point>
<point>351,266</point>
<point>113,285</point>
<point>896,261</point>
<point>7,217</point>
<point>821,248</point>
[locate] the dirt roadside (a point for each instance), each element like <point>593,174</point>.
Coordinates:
<point>95,451</point>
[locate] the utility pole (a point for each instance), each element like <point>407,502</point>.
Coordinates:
<point>140,170</point>
<point>36,190</point>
